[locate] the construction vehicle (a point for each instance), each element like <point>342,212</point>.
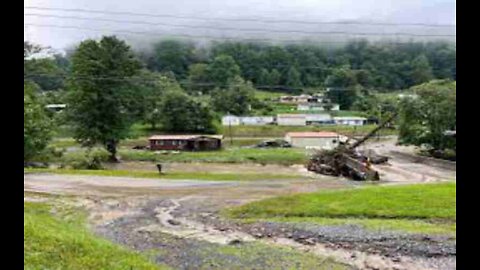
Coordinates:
<point>346,161</point>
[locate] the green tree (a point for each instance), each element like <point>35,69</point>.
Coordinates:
<point>198,79</point>
<point>343,87</point>
<point>36,124</point>
<point>293,78</point>
<point>100,110</point>
<point>237,99</point>
<point>181,113</point>
<point>275,77</point>
<point>174,56</point>
<point>40,67</point>
<point>222,69</point>
<point>263,77</point>
<point>153,87</point>
<point>424,119</point>
<point>421,70</point>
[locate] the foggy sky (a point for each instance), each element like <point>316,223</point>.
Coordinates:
<point>400,11</point>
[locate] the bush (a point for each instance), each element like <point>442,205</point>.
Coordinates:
<point>50,154</point>
<point>91,159</point>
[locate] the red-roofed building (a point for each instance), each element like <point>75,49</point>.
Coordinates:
<point>186,142</point>
<point>321,140</point>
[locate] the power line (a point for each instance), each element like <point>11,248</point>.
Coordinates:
<point>262,20</point>
<point>239,29</point>
<point>143,79</point>
<point>200,36</point>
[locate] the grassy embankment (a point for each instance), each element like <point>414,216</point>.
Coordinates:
<point>54,242</point>
<point>426,208</point>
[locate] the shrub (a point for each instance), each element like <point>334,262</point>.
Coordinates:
<point>91,159</point>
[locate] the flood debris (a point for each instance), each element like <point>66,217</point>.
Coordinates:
<point>345,160</point>
<point>274,144</point>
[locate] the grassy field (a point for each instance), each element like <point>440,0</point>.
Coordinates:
<point>52,242</point>
<point>280,131</point>
<point>140,133</point>
<point>419,208</point>
<point>284,156</point>
<point>263,95</point>
<point>172,175</point>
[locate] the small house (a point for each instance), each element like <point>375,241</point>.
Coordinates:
<point>56,107</point>
<point>230,120</point>
<point>186,142</point>
<point>256,120</point>
<point>298,99</point>
<point>318,140</point>
<point>318,119</point>
<point>291,120</point>
<point>350,120</point>
<point>317,107</point>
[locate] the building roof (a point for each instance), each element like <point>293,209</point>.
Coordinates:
<point>183,137</point>
<point>291,115</point>
<point>350,118</point>
<point>313,117</point>
<point>322,134</point>
<point>55,106</point>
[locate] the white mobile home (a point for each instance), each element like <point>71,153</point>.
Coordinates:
<point>230,120</point>
<point>257,120</point>
<point>247,120</point>
<point>291,120</point>
<point>318,119</point>
<point>318,140</point>
<point>350,121</point>
<point>317,107</point>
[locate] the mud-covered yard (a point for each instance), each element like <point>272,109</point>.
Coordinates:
<point>178,222</point>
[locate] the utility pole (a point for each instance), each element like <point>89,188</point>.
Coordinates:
<point>230,128</point>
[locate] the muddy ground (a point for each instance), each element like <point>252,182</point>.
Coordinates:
<point>178,221</point>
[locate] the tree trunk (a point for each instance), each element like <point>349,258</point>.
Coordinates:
<point>111,146</point>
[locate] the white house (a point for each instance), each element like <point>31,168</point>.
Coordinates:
<point>317,140</point>
<point>291,120</point>
<point>316,107</point>
<point>350,120</point>
<point>247,120</point>
<point>256,120</point>
<point>56,107</point>
<point>230,120</point>
<point>318,119</point>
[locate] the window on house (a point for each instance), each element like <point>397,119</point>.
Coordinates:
<point>174,142</point>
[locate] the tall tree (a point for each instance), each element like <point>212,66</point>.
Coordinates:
<point>154,87</point>
<point>421,70</point>
<point>174,56</point>
<point>424,119</point>
<point>275,77</point>
<point>222,69</point>
<point>41,67</point>
<point>181,113</point>
<point>99,106</point>
<point>198,78</point>
<point>343,87</point>
<point>293,78</point>
<point>237,99</point>
<point>36,124</point>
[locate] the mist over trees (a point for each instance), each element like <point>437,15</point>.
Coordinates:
<point>380,66</point>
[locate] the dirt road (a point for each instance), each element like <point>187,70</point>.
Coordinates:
<point>180,220</point>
